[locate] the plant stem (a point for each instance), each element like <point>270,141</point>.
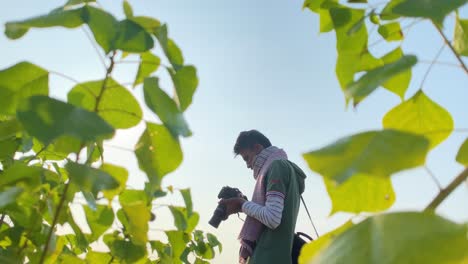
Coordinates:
<point>452,48</point>
<point>444,193</point>
<point>54,222</point>
<point>108,73</point>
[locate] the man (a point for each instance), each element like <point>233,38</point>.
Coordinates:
<point>267,234</point>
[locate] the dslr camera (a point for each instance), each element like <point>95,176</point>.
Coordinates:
<point>220,211</point>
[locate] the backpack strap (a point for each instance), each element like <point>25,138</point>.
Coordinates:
<point>310,218</point>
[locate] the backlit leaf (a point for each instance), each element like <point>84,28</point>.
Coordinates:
<point>391,31</point>
<point>172,51</point>
<point>132,37</point>
<point>399,83</point>
<point>460,39</point>
<point>185,81</point>
<point>99,220</point>
<point>462,156</point>
<point>149,63</point>
<point>120,174</point>
<point>180,217</point>
<point>89,179</point>
<point>178,241</point>
<point>127,9</point>
<point>431,9</point>
<point>134,205</point>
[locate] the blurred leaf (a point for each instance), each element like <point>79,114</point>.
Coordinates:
<point>361,193</point>
<point>148,23</point>
<point>158,152</point>
<point>391,31</point>
<point>20,81</point>
<point>462,156</point>
<point>9,196</point>
<point>213,241</point>
<point>460,39</point>
<point>127,9</point>
<point>200,261</point>
<point>59,149</point>
<point>99,221</point>
<point>374,18</point>
<point>192,222</point>
<point>357,26</point>
<point>431,9</point>
<point>396,238</point>
<point>161,104</point>
<point>134,205</point>
<point>81,241</point>
<point>376,153</point>
<point>180,217</point>
<point>103,25</point>
<point>148,64</point>
<point>89,179</point>
<point>117,105</point>
<point>164,251</point>
<point>127,251</point>
<point>172,51</point>
<point>48,119</point>
<point>178,241</point>
<point>421,115</point>
<point>188,200</point>
<point>120,174</point>
<point>326,23</point>
<point>359,89</point>
<point>21,172</point>
<point>8,148</point>
<point>310,250</point>
<point>387,13</point>
<point>132,37</point>
<point>98,257</point>
<point>77,2</point>
<point>399,83</point>
<point>9,128</point>
<point>185,81</point>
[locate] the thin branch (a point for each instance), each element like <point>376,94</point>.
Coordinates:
<point>460,60</point>
<point>120,111</point>
<point>432,64</point>
<point>444,63</point>
<point>434,178</point>
<point>95,48</point>
<point>444,193</point>
<point>54,222</point>
<point>108,73</point>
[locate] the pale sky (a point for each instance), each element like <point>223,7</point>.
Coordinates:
<point>263,65</point>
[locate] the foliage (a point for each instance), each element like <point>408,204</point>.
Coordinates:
<point>52,152</point>
<point>357,169</point>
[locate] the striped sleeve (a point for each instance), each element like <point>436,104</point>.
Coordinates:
<point>270,214</point>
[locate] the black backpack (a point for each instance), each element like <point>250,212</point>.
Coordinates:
<point>298,241</point>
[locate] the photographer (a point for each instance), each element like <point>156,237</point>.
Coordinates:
<point>267,234</point>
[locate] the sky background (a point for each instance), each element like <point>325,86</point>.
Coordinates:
<point>263,65</point>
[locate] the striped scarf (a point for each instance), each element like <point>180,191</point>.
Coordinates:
<point>252,228</point>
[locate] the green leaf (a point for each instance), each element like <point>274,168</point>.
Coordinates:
<point>357,26</point>
<point>132,37</point>
<point>431,9</point>
<point>462,156</point>
<point>126,250</point>
<point>326,23</point>
<point>8,148</point>
<point>399,83</point>
<point>180,217</point>
<point>391,31</point>
<point>89,179</point>
<point>127,9</point>
<point>387,13</point>
<point>178,241</point>
<point>148,23</point>
<point>460,39</point>
<point>370,81</point>
<point>120,174</point>
<point>158,152</point>
<point>77,2</point>
<point>310,250</point>
<point>376,153</point>
<point>185,81</point>
<point>134,205</point>
<point>149,64</point>
<point>188,200</point>
<point>20,81</point>
<point>213,241</point>
<point>421,115</point>
<point>47,119</point>
<point>99,220</point>
<point>9,196</point>
<point>9,128</point>
<point>19,172</point>
<point>361,193</point>
<point>374,18</point>
<point>172,51</point>
<point>117,105</point>
<point>98,257</point>
<point>160,103</point>
<point>408,237</point>
<point>59,149</point>
<point>192,222</point>
<point>103,25</point>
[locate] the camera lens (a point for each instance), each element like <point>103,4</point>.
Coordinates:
<point>218,215</point>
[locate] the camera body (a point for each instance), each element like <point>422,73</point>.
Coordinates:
<point>220,211</point>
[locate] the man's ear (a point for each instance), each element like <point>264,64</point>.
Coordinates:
<point>258,148</point>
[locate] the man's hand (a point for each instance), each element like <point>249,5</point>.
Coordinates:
<point>233,205</point>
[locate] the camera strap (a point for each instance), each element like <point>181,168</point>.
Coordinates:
<point>310,218</point>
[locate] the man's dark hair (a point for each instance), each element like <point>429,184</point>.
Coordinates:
<point>247,139</point>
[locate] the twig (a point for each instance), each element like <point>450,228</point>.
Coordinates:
<point>433,177</point>
<point>108,73</point>
<point>451,48</point>
<point>444,193</point>
<point>445,63</point>
<point>432,64</point>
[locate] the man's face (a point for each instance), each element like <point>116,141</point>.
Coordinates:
<point>249,155</point>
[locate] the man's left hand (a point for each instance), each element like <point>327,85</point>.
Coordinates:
<point>233,205</point>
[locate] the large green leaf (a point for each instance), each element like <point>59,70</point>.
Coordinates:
<point>399,83</point>
<point>403,238</point>
<point>89,179</point>
<point>47,119</point>
<point>158,152</point>
<point>431,9</point>
<point>166,109</point>
<point>460,39</point>
<point>185,81</point>
<point>117,105</point>
<point>391,31</point>
<point>421,115</point>
<point>148,64</point>
<point>127,252</point>
<point>462,155</point>
<point>120,174</point>
<point>103,25</point>
<point>370,81</point>
<point>134,205</point>
<point>132,37</point>
<point>20,81</point>
<point>178,241</point>
<point>99,220</point>
<point>376,153</point>
<point>361,193</point>
<point>172,51</point>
